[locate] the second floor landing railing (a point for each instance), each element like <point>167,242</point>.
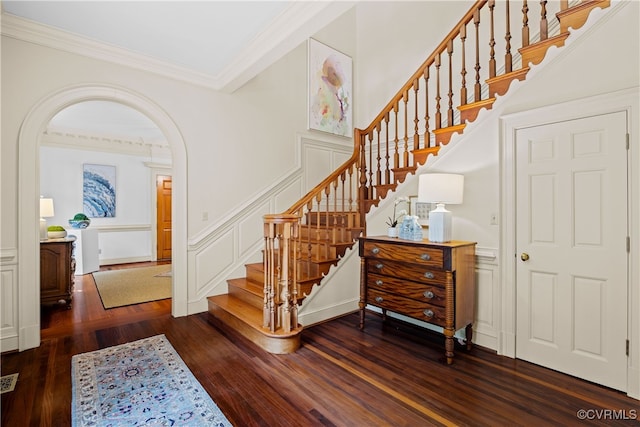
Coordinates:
<point>493,44</point>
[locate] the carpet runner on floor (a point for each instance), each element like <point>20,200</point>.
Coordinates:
<point>144,382</point>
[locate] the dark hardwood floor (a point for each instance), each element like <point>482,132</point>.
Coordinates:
<point>390,374</point>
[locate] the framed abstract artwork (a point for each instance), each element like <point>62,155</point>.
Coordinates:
<point>99,191</point>
<point>330,94</point>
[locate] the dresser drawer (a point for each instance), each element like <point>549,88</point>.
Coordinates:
<point>432,257</point>
<point>415,272</point>
<point>418,291</point>
<point>409,307</point>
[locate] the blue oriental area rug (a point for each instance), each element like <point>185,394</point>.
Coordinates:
<point>140,383</point>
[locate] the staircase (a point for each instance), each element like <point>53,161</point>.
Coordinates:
<point>303,243</point>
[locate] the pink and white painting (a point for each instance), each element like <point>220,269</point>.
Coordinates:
<point>330,90</point>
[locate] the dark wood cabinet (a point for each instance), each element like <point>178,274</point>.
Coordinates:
<point>57,267</point>
<point>431,282</point>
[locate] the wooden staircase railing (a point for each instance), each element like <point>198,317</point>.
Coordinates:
<point>468,69</point>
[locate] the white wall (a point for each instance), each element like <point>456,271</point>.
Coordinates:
<point>61,179</point>
<point>603,59</point>
<point>239,147</point>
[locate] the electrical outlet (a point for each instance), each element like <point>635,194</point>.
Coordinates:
<point>494,219</point>
<point>205,216</point>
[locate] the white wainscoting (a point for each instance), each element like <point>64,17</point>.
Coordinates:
<point>486,326</point>
<point>121,244</point>
<point>8,299</point>
<point>220,252</point>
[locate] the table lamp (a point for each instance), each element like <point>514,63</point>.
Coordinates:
<point>46,211</point>
<point>440,188</point>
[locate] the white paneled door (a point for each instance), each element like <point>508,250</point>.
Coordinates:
<point>572,258</point>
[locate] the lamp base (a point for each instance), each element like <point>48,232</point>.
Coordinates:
<point>43,229</point>
<point>440,224</point>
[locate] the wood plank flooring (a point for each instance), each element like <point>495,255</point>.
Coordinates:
<point>392,374</point>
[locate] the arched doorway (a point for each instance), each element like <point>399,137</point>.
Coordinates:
<point>28,184</point>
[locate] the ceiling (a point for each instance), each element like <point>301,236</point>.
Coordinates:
<point>217,44</point>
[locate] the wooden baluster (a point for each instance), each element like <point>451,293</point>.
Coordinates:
<point>405,154</point>
<point>564,4</point>
<point>371,182</point>
<point>322,235</point>
<point>362,189</point>
<point>268,261</point>
<point>427,134</point>
<point>284,278</point>
<point>477,87</point>
<point>544,25</point>
<point>463,72</point>
<point>294,274</point>
<point>379,157</point>
<point>525,24</point>
<point>492,41</point>
<point>308,254</point>
<point>438,114</point>
<point>396,140</point>
<point>336,223</point>
<point>416,120</point>
<point>343,192</point>
<point>450,93</point>
<point>387,172</point>
<point>318,214</point>
<point>508,59</point>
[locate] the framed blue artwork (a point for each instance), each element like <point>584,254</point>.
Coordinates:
<point>99,191</point>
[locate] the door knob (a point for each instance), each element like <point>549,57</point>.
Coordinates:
<point>524,256</point>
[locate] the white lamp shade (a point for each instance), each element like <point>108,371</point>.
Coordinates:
<point>46,208</point>
<point>440,188</point>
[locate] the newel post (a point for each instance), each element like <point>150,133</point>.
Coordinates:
<point>280,308</point>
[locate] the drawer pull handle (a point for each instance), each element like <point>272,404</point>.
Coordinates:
<point>429,275</point>
<point>379,299</point>
<point>379,266</point>
<point>428,294</point>
<point>425,257</point>
<point>375,251</point>
<point>379,282</point>
<point>428,313</point>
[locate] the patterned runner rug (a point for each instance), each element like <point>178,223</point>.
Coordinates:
<point>144,382</point>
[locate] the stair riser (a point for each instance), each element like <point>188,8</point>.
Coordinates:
<point>229,322</point>
<point>247,296</point>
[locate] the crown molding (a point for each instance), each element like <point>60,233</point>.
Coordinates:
<point>44,35</point>
<point>61,138</point>
<point>292,27</point>
<point>299,21</point>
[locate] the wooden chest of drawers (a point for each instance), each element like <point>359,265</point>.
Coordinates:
<point>431,282</point>
<point>57,266</point>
